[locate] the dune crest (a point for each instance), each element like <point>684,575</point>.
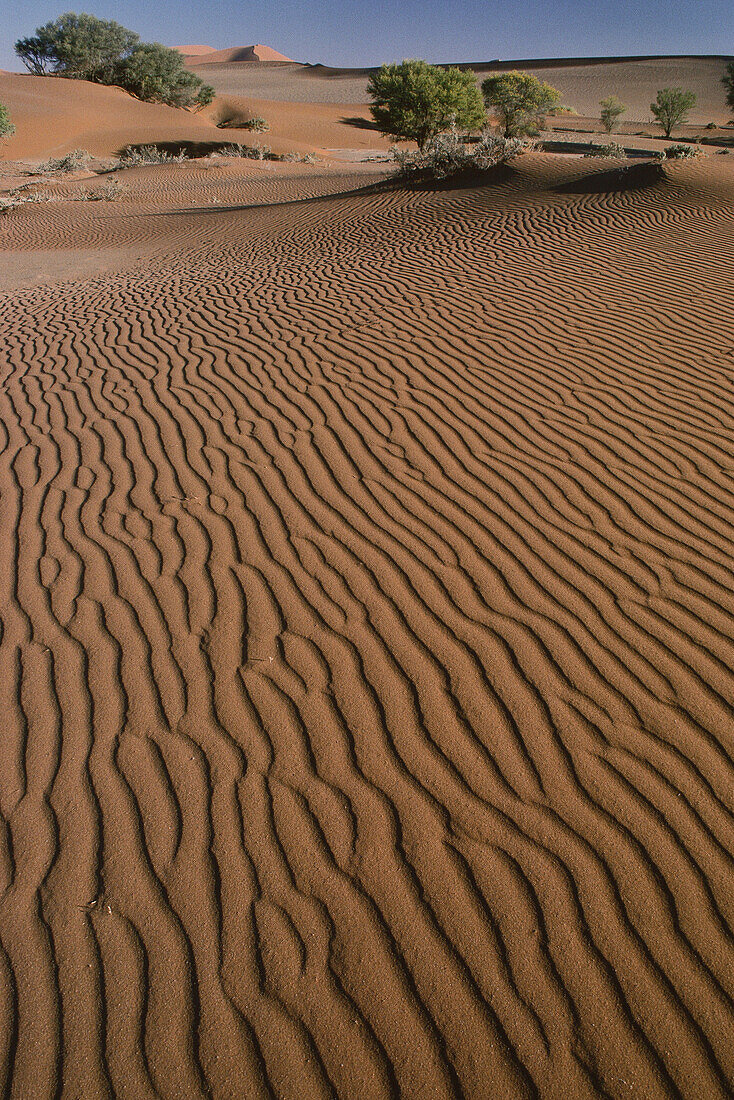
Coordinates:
<point>234,55</point>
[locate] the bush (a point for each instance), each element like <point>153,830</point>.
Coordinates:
<point>71,162</point>
<point>6,126</point>
<point>447,154</point>
<point>83,47</point>
<point>728,81</point>
<point>612,149</point>
<point>611,109</point>
<point>680,152</point>
<point>520,102</point>
<point>149,154</point>
<point>112,189</point>
<point>257,125</point>
<point>671,107</point>
<point>156,74</point>
<point>415,101</point>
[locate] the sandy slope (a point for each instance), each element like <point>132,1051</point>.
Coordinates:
<point>367,637</point>
<point>582,85</point>
<point>204,55</point>
<point>53,116</point>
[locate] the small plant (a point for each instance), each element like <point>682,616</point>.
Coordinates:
<point>72,162</point>
<point>681,152</point>
<point>299,158</point>
<point>612,149</point>
<point>671,108</point>
<point>19,196</point>
<point>447,154</point>
<point>710,125</point>
<point>149,154</point>
<point>611,110</point>
<point>247,152</point>
<point>110,190</point>
<point>6,126</point>
<point>257,125</point>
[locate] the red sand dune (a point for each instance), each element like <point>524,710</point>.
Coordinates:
<point>204,55</point>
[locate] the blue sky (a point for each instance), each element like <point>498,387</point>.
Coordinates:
<point>368,32</point>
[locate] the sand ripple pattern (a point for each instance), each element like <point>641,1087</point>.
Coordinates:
<point>367,648</point>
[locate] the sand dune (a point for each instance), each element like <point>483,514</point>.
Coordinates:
<point>52,116</point>
<point>367,638</point>
<point>205,55</point>
<point>582,85</point>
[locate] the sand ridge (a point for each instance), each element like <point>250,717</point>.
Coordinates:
<point>367,647</point>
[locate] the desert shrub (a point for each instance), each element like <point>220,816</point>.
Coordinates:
<point>6,126</point>
<point>415,101</point>
<point>149,154</point>
<point>671,108</point>
<point>612,149</point>
<point>70,162</point>
<point>110,190</point>
<point>447,154</point>
<point>520,102</point>
<point>612,109</point>
<point>299,158</point>
<point>680,152</point>
<point>20,197</point>
<point>710,126</point>
<point>728,81</point>
<point>257,125</point>
<point>83,47</point>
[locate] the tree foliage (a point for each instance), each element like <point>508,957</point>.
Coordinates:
<point>520,101</point>
<point>78,46</point>
<point>728,81</point>
<point>82,47</point>
<point>415,101</point>
<point>671,107</point>
<point>6,126</point>
<point>158,75</point>
<point>611,109</point>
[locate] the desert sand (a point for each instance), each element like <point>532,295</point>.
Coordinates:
<point>367,554</point>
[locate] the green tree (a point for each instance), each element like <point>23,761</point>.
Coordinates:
<point>415,101</point>
<point>728,81</point>
<point>671,107</point>
<point>78,46</point>
<point>520,101</point>
<point>157,74</point>
<point>611,109</point>
<point>6,126</point>
<point>83,47</point>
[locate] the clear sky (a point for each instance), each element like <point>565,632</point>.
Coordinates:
<point>368,32</point>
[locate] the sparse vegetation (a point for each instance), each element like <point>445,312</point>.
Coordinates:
<point>110,190</point>
<point>671,108</point>
<point>82,47</point>
<point>415,101</point>
<point>612,110</point>
<point>6,126</point>
<point>20,196</point>
<point>611,149</point>
<point>264,152</point>
<point>520,102</point>
<point>448,154</point>
<point>70,162</point>
<point>136,157</point>
<point>680,152</point>
<point>257,125</point>
<point>728,81</point>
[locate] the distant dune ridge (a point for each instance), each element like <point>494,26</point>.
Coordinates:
<point>207,55</point>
